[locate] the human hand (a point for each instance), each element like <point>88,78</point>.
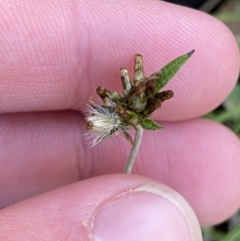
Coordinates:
<point>53,56</point>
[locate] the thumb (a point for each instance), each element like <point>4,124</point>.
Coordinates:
<point>113,207</point>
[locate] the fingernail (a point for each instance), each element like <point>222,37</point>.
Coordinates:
<point>151,212</point>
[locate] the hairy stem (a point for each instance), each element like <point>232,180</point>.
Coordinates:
<point>134,150</point>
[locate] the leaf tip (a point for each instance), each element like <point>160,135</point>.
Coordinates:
<point>191,53</point>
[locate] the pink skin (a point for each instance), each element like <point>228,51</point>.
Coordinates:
<point>53,56</point>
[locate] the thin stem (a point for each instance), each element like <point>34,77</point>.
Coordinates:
<point>134,150</point>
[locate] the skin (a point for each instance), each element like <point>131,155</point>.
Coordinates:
<point>53,56</point>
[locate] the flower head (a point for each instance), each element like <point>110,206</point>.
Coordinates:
<point>140,98</point>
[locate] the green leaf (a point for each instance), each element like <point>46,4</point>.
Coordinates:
<point>148,124</point>
<point>233,235</point>
<point>236,126</point>
<point>169,70</point>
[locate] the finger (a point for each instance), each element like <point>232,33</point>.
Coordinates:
<point>113,207</point>
<point>56,60</point>
<point>198,158</point>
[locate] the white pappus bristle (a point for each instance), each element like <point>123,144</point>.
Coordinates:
<point>103,122</point>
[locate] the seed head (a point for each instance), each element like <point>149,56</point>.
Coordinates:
<point>103,122</point>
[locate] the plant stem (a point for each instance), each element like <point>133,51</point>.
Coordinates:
<point>134,150</point>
